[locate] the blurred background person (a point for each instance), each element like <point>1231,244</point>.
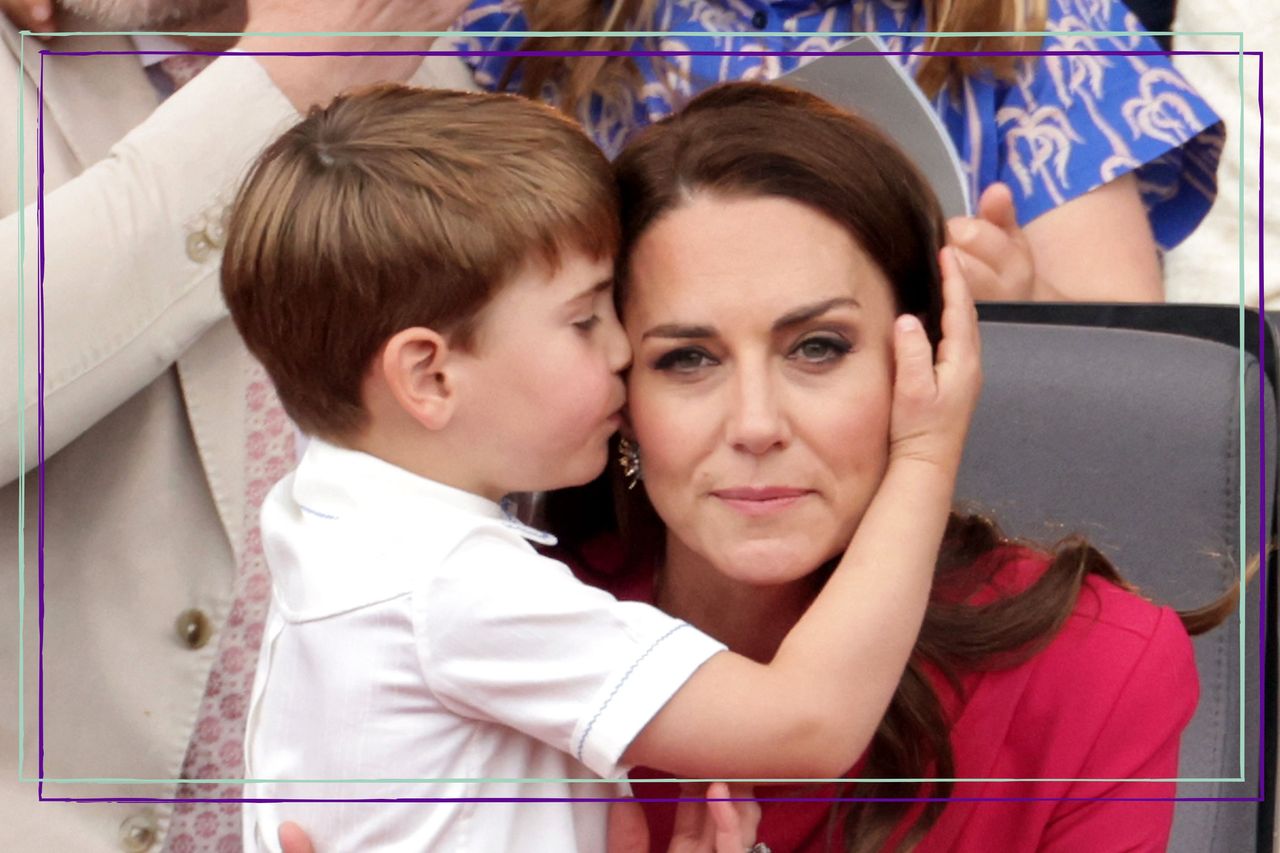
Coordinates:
<point>1082,165</point>
<point>1207,267</point>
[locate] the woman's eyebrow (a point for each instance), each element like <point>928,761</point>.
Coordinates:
<point>791,318</point>
<point>678,330</point>
<point>809,312</point>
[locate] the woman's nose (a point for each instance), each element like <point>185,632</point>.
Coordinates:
<point>757,421</point>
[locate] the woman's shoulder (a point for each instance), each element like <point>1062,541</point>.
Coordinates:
<point>1105,615</point>
<point>1103,606</point>
<point>1119,662</point>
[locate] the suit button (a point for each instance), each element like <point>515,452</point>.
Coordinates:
<point>760,20</point>
<point>138,833</point>
<point>193,628</point>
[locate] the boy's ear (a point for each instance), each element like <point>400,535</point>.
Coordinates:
<point>417,367</point>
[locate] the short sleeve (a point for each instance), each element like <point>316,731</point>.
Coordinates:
<point>1105,106</point>
<point>1140,740</point>
<point>508,636</point>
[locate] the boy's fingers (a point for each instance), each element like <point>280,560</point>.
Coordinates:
<point>959,313</point>
<point>913,358</point>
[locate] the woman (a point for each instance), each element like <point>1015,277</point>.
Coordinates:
<point>1113,154</point>
<point>760,364</point>
<point>759,359</point>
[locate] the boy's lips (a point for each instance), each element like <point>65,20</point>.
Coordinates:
<point>760,500</point>
<point>616,418</point>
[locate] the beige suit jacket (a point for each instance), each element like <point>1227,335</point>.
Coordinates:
<point>144,396</point>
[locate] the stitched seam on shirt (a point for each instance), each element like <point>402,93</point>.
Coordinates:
<point>583,740</point>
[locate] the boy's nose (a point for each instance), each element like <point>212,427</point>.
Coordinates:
<point>619,348</point>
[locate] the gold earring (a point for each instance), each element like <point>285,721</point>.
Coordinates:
<point>629,461</point>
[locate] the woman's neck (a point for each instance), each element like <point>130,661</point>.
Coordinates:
<point>750,620</point>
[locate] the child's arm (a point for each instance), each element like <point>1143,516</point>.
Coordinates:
<point>812,711</point>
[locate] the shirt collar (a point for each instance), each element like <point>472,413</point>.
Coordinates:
<point>346,530</point>
<point>334,481</point>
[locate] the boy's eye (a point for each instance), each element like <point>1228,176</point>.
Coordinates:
<point>820,350</point>
<point>684,360</point>
<point>588,324</point>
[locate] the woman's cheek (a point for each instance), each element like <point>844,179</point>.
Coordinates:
<point>669,433</point>
<point>853,445</point>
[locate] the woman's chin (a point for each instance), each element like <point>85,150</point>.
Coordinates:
<point>768,562</point>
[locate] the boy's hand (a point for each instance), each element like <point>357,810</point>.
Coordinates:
<point>933,402</point>
<point>708,827</point>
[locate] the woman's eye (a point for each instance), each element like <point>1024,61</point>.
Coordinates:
<point>685,360</point>
<point>588,324</point>
<point>821,350</point>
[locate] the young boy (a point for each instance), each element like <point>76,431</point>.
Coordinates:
<point>426,277</point>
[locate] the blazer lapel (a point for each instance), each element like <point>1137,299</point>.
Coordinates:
<point>214,374</point>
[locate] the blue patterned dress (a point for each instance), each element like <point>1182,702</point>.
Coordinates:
<point>1068,124</point>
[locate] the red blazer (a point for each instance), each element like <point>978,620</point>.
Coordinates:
<point>1107,700</point>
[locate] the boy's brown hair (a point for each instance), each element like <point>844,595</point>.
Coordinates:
<point>393,208</point>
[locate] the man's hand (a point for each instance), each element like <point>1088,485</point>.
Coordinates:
<point>312,80</point>
<point>34,15</point>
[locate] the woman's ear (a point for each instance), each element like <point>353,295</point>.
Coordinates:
<point>417,367</point>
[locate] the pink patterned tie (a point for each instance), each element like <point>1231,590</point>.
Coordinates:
<point>216,750</point>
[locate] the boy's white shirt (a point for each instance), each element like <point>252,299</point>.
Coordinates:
<point>415,634</point>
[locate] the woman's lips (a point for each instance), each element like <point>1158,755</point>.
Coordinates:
<point>761,500</point>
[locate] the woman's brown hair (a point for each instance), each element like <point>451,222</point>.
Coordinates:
<point>581,76</point>
<point>752,140</point>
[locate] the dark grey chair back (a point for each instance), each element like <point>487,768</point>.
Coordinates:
<point>1124,423</point>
